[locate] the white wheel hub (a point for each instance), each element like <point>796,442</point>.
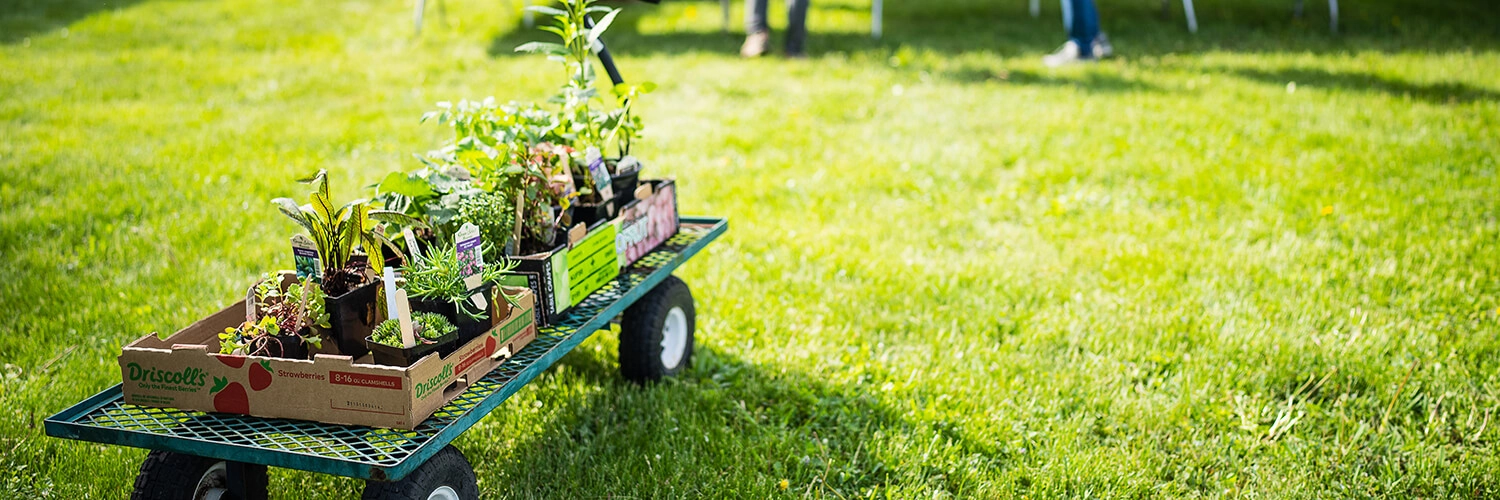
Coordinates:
<point>443,493</point>
<point>674,338</point>
<point>214,483</point>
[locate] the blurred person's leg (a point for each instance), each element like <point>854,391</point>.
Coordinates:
<point>1085,42</point>
<point>796,28</point>
<point>1085,27</point>
<point>757,30</point>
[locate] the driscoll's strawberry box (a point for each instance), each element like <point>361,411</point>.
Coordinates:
<point>185,371</point>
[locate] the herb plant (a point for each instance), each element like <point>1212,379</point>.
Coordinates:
<point>297,310</point>
<point>427,327</point>
<point>495,216</point>
<point>439,276</point>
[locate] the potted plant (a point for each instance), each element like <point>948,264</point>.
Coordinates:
<point>433,333</point>
<point>582,116</point>
<point>512,163</point>
<point>435,283</point>
<point>345,279</point>
<point>280,323</point>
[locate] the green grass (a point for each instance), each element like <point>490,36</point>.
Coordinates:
<point>951,271</point>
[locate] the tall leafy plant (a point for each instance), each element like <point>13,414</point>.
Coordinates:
<point>337,231</point>
<point>582,113</point>
<point>574,53</point>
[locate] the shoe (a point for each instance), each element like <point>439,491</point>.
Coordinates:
<point>756,44</point>
<point>1065,55</point>
<point>1102,48</point>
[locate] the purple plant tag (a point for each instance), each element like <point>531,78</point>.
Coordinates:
<point>469,244</point>
<point>470,254</point>
<point>600,174</point>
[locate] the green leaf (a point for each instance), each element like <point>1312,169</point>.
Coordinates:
<point>548,48</point>
<point>322,208</point>
<point>314,178</point>
<point>542,9</point>
<point>602,25</point>
<point>405,185</point>
<point>373,248</point>
<point>380,241</point>
<point>397,218</point>
<point>292,210</point>
<point>348,235</point>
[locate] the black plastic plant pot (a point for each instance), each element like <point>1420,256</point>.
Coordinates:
<point>281,346</point>
<point>591,213</point>
<point>468,327</point>
<point>398,356</point>
<point>624,185</point>
<point>352,318</point>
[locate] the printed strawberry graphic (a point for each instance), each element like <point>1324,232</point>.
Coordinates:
<point>489,345</point>
<point>260,375</point>
<point>230,397</point>
<point>231,361</point>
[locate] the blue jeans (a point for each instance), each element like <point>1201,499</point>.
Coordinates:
<point>1083,25</point>
<point>796,22</point>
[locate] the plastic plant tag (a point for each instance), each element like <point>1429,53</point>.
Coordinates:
<point>389,277</point>
<point>600,174</point>
<point>627,163</point>
<point>411,242</point>
<point>576,234</point>
<point>305,258</point>
<point>470,256</point>
<point>397,307</point>
<point>408,334</point>
<point>478,300</point>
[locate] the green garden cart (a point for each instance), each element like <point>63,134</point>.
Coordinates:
<point>204,455</point>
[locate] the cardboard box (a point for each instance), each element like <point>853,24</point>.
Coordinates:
<point>646,223</point>
<point>546,274</point>
<point>565,275</point>
<point>185,371</point>
<point>592,263</point>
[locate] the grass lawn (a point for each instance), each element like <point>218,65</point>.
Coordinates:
<point>1260,261</point>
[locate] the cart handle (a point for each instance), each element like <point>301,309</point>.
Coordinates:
<point>604,57</point>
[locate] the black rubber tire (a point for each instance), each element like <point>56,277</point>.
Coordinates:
<point>641,332</point>
<point>447,468</point>
<point>174,476</point>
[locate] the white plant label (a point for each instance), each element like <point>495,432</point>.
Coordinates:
<point>398,308</point>
<point>478,300</point>
<point>411,242</point>
<point>408,333</point>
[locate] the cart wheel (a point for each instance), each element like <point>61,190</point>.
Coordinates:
<point>656,336</point>
<point>174,476</point>
<point>445,476</point>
